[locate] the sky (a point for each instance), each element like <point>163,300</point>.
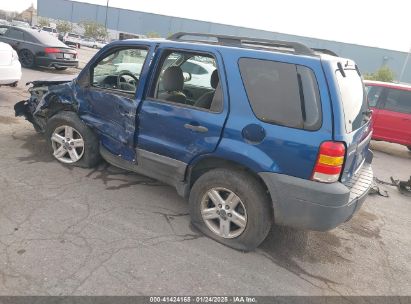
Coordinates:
<point>379,23</point>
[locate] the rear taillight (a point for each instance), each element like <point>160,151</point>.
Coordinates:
<point>329,163</point>
<point>51,50</point>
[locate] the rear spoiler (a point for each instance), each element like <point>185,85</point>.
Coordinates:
<point>325,51</point>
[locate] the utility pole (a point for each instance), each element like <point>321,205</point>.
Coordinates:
<point>404,65</point>
<point>105,22</point>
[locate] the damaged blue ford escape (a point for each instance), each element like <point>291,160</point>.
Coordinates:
<point>252,132</point>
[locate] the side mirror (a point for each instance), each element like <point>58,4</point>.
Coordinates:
<point>187,76</point>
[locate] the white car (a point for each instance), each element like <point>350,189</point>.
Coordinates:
<point>10,68</point>
<point>72,39</point>
<point>51,31</point>
<point>89,42</point>
<point>200,72</point>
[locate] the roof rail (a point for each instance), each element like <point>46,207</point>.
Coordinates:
<point>234,40</point>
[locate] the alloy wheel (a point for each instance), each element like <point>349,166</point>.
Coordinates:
<point>67,144</point>
<point>224,213</point>
<point>26,58</point>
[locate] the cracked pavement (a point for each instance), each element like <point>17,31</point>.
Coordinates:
<point>73,231</point>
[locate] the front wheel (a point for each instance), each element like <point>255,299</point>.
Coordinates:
<point>231,207</point>
<point>60,68</point>
<point>71,141</point>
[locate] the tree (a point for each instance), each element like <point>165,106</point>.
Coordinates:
<point>64,26</point>
<point>153,35</point>
<point>43,22</point>
<point>93,29</point>
<point>384,73</point>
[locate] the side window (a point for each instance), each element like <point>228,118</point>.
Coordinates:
<point>398,101</point>
<point>29,38</point>
<point>282,93</point>
<point>119,70</point>
<point>189,79</point>
<point>193,68</point>
<point>373,95</point>
<point>15,34</point>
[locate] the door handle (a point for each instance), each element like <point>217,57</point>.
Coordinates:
<point>194,128</point>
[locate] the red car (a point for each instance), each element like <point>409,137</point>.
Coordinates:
<point>391,105</point>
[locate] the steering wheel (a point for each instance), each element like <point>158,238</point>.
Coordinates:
<point>126,73</point>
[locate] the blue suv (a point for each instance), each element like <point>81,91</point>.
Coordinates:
<point>251,131</point>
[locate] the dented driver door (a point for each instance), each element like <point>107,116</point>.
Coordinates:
<point>116,77</point>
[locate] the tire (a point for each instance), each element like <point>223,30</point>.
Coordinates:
<point>88,154</point>
<point>27,59</point>
<point>254,207</point>
<point>60,68</point>
<point>409,148</point>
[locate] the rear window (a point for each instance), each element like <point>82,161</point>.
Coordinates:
<point>398,101</point>
<point>47,39</point>
<point>282,93</point>
<point>353,98</point>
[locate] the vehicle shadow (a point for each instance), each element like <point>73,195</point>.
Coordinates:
<point>292,249</point>
<point>36,145</point>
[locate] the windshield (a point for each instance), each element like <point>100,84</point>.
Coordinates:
<point>353,98</point>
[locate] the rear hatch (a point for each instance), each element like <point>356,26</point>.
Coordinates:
<point>356,121</point>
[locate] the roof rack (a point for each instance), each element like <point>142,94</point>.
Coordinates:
<point>298,48</point>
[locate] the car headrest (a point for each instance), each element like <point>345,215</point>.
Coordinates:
<point>214,79</point>
<point>173,79</point>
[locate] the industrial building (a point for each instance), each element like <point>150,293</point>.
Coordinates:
<point>369,59</point>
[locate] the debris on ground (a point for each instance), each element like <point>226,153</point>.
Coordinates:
<point>403,186</point>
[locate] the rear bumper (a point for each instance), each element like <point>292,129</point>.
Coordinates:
<point>305,204</point>
<point>52,62</point>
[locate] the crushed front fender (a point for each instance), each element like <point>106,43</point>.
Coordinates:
<point>46,99</point>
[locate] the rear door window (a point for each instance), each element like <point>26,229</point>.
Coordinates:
<point>398,101</point>
<point>353,99</point>
<point>373,94</point>
<point>282,93</point>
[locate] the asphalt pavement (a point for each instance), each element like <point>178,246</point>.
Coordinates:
<point>104,231</point>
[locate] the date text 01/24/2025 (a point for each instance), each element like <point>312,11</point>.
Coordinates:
<point>203,299</point>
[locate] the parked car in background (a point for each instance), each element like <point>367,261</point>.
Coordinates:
<point>38,48</point>
<point>18,23</point>
<point>281,135</point>
<point>199,72</point>
<point>10,68</point>
<point>391,106</point>
<point>50,30</point>
<point>72,39</point>
<point>92,43</point>
<point>4,22</point>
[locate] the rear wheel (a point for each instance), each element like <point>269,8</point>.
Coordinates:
<point>231,207</point>
<point>26,58</point>
<point>71,141</point>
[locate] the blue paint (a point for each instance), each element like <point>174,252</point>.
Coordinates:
<point>126,122</point>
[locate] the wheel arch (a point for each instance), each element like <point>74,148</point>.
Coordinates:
<point>207,163</point>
